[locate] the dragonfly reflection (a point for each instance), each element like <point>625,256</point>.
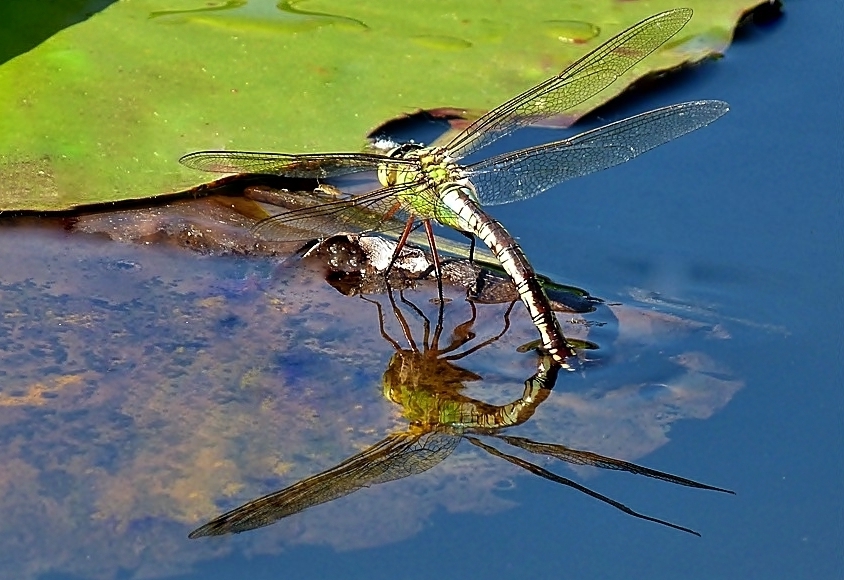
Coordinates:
<point>425,381</point>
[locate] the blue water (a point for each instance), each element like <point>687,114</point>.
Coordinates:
<point>746,214</point>
<point>742,221</point>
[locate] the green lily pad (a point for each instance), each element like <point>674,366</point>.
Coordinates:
<point>102,110</point>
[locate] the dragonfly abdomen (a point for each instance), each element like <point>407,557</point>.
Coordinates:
<point>460,200</point>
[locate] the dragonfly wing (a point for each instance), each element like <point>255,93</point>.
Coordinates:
<point>368,212</point>
<point>421,454</point>
<point>528,172</point>
<point>317,165</point>
<point>577,83</point>
<point>544,473</point>
<point>577,457</point>
<point>397,456</point>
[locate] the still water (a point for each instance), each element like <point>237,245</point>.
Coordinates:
<point>721,363</point>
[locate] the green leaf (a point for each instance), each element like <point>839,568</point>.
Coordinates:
<point>102,110</point>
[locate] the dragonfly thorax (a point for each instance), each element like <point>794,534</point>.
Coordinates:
<point>420,185</point>
<point>433,168</point>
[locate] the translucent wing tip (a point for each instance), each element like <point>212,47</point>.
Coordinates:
<point>715,105</point>
<point>682,14</point>
<point>707,111</point>
<point>267,230</point>
<point>212,161</point>
<point>274,230</point>
<point>186,159</point>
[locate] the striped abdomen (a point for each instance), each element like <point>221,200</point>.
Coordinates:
<point>459,201</point>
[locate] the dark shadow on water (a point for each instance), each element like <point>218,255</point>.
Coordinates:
<point>28,23</point>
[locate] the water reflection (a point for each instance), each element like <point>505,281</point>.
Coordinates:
<point>241,15</point>
<point>146,389</point>
<point>425,382</point>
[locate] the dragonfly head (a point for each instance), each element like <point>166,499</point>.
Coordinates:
<point>390,175</point>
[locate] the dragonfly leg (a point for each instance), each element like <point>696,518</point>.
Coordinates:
<point>405,327</point>
<point>426,324</point>
<point>488,341</point>
<point>381,326</point>
<point>471,245</point>
<point>429,229</point>
<point>408,227</point>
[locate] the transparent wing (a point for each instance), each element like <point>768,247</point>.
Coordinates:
<point>577,83</point>
<point>397,456</point>
<point>528,172</point>
<point>544,473</point>
<point>373,211</point>
<point>577,457</point>
<point>317,165</point>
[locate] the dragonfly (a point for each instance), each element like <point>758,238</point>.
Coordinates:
<point>428,184</point>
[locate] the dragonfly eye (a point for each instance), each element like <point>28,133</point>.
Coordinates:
<point>390,175</point>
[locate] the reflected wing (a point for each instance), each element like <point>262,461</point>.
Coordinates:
<point>529,172</point>
<point>587,458</point>
<point>577,83</point>
<point>397,456</point>
<point>318,165</point>
<point>374,211</point>
<point>544,473</point>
